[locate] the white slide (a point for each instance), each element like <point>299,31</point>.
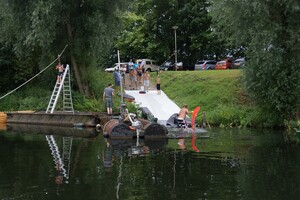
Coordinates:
<point>160,105</point>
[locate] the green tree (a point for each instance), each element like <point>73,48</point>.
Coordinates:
<point>36,31</point>
<point>148,30</point>
<point>270,31</point>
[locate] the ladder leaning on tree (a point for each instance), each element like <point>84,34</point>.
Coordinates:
<point>65,88</point>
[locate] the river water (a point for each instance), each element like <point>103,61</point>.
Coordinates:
<point>81,164</point>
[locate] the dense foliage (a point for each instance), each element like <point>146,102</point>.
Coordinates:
<point>33,33</point>
<point>270,30</point>
<point>149,31</point>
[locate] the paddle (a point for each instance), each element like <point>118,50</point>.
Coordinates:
<point>195,113</point>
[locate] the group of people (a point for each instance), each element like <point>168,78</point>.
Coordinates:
<point>138,76</point>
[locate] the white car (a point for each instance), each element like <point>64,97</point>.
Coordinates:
<point>116,67</point>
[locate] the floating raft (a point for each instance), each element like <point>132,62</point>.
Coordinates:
<point>119,130</point>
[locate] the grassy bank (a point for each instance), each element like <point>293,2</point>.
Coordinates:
<point>219,93</point>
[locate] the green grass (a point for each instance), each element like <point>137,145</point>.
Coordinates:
<point>218,92</point>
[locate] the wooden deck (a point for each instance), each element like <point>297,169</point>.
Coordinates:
<point>82,119</point>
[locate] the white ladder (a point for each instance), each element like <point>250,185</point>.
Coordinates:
<point>56,154</point>
<point>65,86</point>
<point>61,163</point>
<point>66,157</point>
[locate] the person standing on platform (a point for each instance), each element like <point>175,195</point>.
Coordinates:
<point>107,98</point>
<point>133,77</point>
<point>143,65</point>
<point>136,65</point>
<point>146,81</point>
<point>60,69</point>
<point>130,64</point>
<point>158,84</point>
<point>140,74</point>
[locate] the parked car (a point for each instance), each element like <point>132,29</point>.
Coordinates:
<point>123,66</point>
<point>205,65</point>
<point>151,65</point>
<point>170,65</point>
<point>239,63</point>
<point>167,65</point>
<point>224,64</point>
<point>179,66</point>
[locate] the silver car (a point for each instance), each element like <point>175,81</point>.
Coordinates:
<point>205,65</point>
<point>239,63</point>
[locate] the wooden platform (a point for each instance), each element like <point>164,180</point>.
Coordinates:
<point>82,119</point>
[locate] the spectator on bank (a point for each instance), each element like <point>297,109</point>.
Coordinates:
<point>158,84</point>
<point>146,81</point>
<point>107,98</point>
<point>130,64</point>
<point>133,78</point>
<point>143,65</point>
<point>139,74</point>
<point>117,78</point>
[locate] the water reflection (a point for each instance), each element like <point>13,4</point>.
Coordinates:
<point>116,148</point>
<point>61,158</point>
<point>61,153</point>
<point>131,148</point>
<point>52,130</point>
<point>232,164</point>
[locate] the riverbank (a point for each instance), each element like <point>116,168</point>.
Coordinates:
<point>219,93</point>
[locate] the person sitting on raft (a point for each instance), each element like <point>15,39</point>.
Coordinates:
<point>182,115</point>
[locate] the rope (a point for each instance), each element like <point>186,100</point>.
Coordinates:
<point>35,75</point>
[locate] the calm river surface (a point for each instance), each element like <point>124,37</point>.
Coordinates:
<point>233,164</point>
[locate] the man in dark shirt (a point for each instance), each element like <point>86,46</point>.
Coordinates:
<point>117,78</point>
<point>107,98</point>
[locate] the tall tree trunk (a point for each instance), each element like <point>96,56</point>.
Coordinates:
<point>73,61</point>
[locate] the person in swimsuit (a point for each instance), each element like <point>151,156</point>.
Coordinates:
<point>158,84</point>
<point>182,115</point>
<point>133,77</point>
<point>139,74</point>
<point>60,69</point>
<point>146,81</point>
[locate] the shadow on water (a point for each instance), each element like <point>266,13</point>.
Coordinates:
<point>60,143</point>
<point>52,130</point>
<point>135,147</point>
